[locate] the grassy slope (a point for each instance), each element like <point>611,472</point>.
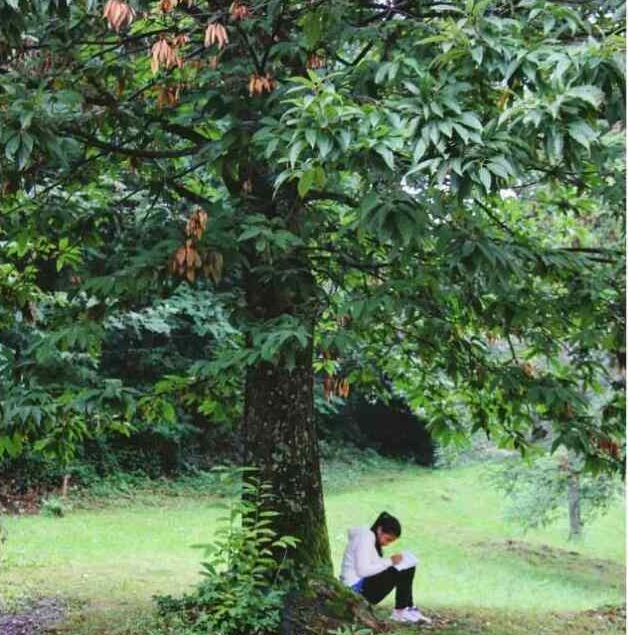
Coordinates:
<point>447,514</point>
<point>117,558</point>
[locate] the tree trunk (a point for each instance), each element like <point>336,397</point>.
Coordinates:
<point>64,486</point>
<point>280,440</point>
<point>279,433</point>
<point>575,518</point>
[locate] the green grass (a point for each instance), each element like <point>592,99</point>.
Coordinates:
<point>453,522</point>
<point>115,559</point>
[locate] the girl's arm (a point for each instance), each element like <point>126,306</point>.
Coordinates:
<point>366,562</point>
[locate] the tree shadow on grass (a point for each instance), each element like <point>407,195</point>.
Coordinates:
<point>558,564</point>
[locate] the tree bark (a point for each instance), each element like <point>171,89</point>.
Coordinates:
<point>279,433</point>
<point>64,486</point>
<point>280,440</point>
<point>575,518</point>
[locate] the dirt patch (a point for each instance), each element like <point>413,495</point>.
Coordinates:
<point>616,615</point>
<point>32,617</point>
<point>16,504</point>
<point>549,555</point>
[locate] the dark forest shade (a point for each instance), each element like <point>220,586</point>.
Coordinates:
<point>392,429</point>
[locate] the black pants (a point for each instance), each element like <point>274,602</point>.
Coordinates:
<point>376,587</point>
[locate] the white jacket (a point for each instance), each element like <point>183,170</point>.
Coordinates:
<point>361,559</point>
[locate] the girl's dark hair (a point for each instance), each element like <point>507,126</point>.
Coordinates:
<point>389,525</point>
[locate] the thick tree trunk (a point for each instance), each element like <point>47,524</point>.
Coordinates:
<point>280,440</point>
<point>575,518</point>
<point>279,432</point>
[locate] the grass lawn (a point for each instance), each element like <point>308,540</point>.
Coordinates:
<point>473,567</point>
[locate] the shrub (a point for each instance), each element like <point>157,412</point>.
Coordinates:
<point>54,507</point>
<point>244,589</point>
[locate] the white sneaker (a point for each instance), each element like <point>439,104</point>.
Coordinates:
<point>404,615</point>
<point>419,616</point>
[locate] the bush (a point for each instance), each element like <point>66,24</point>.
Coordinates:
<point>54,507</point>
<point>244,589</point>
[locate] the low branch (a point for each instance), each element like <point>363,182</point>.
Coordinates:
<point>136,152</point>
<point>331,196</point>
<point>190,195</point>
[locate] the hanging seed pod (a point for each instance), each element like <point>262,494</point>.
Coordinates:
<point>119,15</point>
<point>216,34</point>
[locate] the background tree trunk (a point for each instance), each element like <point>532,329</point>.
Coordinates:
<point>64,486</point>
<point>575,518</point>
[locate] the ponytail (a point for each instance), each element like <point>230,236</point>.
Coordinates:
<point>389,525</point>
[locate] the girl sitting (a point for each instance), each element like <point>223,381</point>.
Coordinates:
<point>366,571</point>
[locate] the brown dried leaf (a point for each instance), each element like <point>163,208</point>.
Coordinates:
<point>191,256</point>
<point>239,11</point>
<point>180,256</point>
<point>216,34</point>
<point>118,15</point>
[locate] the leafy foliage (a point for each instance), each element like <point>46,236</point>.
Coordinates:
<point>54,507</point>
<point>244,589</point>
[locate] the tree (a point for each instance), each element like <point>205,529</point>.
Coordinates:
<point>333,170</point>
<point>541,491</point>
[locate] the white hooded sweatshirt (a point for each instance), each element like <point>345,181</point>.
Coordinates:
<point>361,559</point>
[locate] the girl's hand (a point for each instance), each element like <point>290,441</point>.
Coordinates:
<point>397,558</point>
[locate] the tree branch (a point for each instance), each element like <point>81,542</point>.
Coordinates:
<point>331,196</point>
<point>189,194</point>
<point>136,152</point>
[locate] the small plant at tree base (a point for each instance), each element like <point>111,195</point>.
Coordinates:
<point>244,588</point>
<point>350,630</point>
<point>54,507</point>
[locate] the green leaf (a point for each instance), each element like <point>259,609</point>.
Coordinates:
<point>306,181</point>
<point>470,120</point>
<point>26,147</point>
<point>581,132</point>
<point>250,232</point>
<point>319,177</point>
<point>346,138</point>
<point>386,154</point>
<point>462,132</point>
<point>312,28</point>
<point>310,136</point>
<point>382,71</point>
<point>369,202</point>
<point>270,148</point>
<point>11,147</point>
<point>497,169</point>
<point>467,248</point>
<point>477,53</point>
<point>26,117</point>
<point>324,144</point>
<point>485,178</point>
<point>419,150</point>
<point>295,150</point>
<point>590,94</point>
